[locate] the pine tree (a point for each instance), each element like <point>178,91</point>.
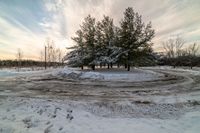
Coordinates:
<point>84,52</point>
<point>105,39</point>
<point>104,43</point>
<point>135,36</point>
<point>76,57</point>
<point>100,47</point>
<point>88,28</point>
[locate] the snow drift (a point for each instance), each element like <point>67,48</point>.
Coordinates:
<point>110,75</point>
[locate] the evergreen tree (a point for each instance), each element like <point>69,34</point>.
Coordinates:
<point>84,52</point>
<point>76,57</point>
<point>88,28</point>
<point>100,47</point>
<point>135,36</point>
<point>105,40</point>
<point>104,43</point>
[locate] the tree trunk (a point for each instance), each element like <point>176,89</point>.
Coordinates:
<point>128,62</point>
<point>125,66</point>
<point>111,65</point>
<point>118,65</point>
<point>108,66</point>
<point>128,68</point>
<point>81,67</point>
<point>93,67</point>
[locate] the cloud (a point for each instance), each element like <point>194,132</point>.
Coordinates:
<point>27,24</point>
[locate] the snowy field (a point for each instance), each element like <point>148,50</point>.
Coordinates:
<point>145,100</point>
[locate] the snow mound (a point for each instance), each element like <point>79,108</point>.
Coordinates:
<point>78,74</point>
<point>69,72</point>
<point>110,75</point>
<point>91,75</point>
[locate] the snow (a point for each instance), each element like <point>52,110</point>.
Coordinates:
<point>137,75</point>
<point>5,73</point>
<point>36,115</point>
<point>194,71</point>
<point>26,115</point>
<point>110,75</point>
<point>8,72</point>
<point>92,75</point>
<point>148,111</point>
<point>68,70</point>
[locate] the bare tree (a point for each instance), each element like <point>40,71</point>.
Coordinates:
<point>192,52</point>
<point>41,56</point>
<point>49,47</point>
<point>179,43</point>
<point>53,54</point>
<point>169,48</point>
<point>59,55</point>
<point>173,47</point>
<point>193,49</point>
<point>19,57</point>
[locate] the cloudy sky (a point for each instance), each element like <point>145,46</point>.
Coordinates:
<point>26,24</point>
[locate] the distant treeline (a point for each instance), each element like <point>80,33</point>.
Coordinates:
<point>155,59</point>
<point>185,60</point>
<point>27,63</point>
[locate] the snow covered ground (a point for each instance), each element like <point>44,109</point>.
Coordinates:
<point>24,115</point>
<point>111,75</point>
<point>147,100</point>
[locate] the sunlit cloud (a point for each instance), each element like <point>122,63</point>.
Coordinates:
<point>26,24</point>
